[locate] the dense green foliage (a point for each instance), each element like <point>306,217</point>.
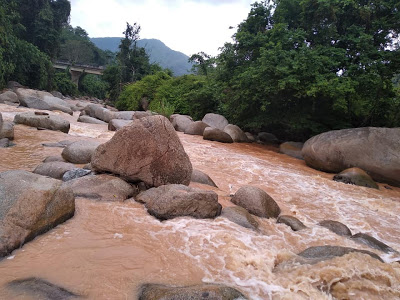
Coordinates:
<point>303,67</point>
<point>158,53</point>
<point>93,85</point>
<point>63,84</point>
<point>29,35</point>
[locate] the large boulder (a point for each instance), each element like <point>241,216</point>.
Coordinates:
<point>37,288</point>
<point>256,201</point>
<point>9,97</point>
<point>30,205</point>
<point>116,124</point>
<point>175,200</point>
<point>50,122</point>
<point>149,150</point>
<point>90,120</point>
<point>237,134</point>
<point>356,176</point>
<point>292,149</point>
<point>180,122</point>
<point>217,135</point>
<point>196,128</point>
<point>201,177</point>
<point>80,152</point>
<point>240,216</point>
<point>375,150</point>
<point>101,187</point>
<point>203,292</point>
<point>215,121</point>
<point>55,169</point>
<point>99,112</point>
<point>42,100</point>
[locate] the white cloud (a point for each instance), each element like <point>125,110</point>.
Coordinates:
<point>188,26</point>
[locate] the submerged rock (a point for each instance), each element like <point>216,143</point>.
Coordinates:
<point>30,204</point>
<point>176,200</point>
<point>320,253</point>
<point>149,150</point>
<point>37,288</point>
<point>215,121</point>
<point>203,178</point>
<point>214,134</point>
<point>372,242</point>
<point>256,201</point>
<point>43,121</point>
<point>356,176</point>
<point>292,149</point>
<point>240,216</point>
<point>80,152</point>
<point>101,187</point>
<point>375,150</point>
<point>292,222</point>
<point>55,169</point>
<point>204,291</point>
<point>336,227</point>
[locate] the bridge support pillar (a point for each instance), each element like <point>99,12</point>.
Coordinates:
<point>75,76</point>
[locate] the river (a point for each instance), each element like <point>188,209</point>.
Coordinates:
<point>108,249</point>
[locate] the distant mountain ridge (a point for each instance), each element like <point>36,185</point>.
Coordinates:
<point>157,51</point>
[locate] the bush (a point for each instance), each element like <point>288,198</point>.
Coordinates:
<point>92,85</point>
<point>63,84</point>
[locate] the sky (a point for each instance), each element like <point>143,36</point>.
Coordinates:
<point>188,26</point>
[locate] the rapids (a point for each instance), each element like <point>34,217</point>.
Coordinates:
<point>107,250</point>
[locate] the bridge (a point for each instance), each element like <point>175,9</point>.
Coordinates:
<point>76,70</point>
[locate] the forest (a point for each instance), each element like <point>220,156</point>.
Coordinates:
<point>295,68</point>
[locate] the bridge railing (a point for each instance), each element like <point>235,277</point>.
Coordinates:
<point>86,66</point>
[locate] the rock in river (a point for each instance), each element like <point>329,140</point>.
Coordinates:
<point>23,217</point>
<point>80,152</point>
<point>356,176</point>
<point>50,122</point>
<point>215,134</point>
<point>149,150</point>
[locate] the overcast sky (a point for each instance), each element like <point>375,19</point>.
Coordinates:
<point>188,26</point>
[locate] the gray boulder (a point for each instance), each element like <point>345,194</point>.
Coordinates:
<point>53,158</point>
<point>141,114</point>
<point>42,121</point>
<point>356,176</point>
<point>22,216</point>
<point>42,100</point>
<point>372,242</point>
<point>196,128</point>
<point>80,152</point>
<point>240,216</point>
<point>55,169</point>
<point>336,227</point>
<point>124,115</point>
<point>237,135</point>
<point>180,122</point>
<point>6,129</point>
<point>57,94</point>
<point>203,178</point>
<point>90,120</point>
<point>99,112</point>
<point>75,173</point>
<point>149,150</point>
<point>9,97</point>
<point>176,200</point>
<point>292,222</point>
<point>256,201</point>
<point>292,149</point>
<point>214,134</point>
<point>200,292</point>
<point>375,150</point>
<point>215,121</point>
<point>4,143</point>
<point>37,288</point>
<point>101,187</point>
<point>116,124</point>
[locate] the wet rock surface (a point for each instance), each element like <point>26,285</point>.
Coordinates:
<point>356,176</point>
<point>55,169</point>
<point>99,112</point>
<point>240,216</point>
<point>37,288</point>
<point>204,291</point>
<point>336,227</point>
<point>256,201</point>
<point>292,222</point>
<point>176,200</point>
<point>217,135</point>
<point>237,134</point>
<point>201,177</point>
<point>90,120</point>
<point>149,150</point>
<point>292,149</point>
<point>23,217</point>
<point>372,242</point>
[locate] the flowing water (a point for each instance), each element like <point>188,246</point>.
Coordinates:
<point>107,250</point>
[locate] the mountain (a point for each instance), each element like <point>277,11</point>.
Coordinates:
<point>157,51</point>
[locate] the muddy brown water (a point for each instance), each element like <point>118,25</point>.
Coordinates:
<point>107,250</point>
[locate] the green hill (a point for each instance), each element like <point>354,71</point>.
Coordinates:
<point>157,51</point>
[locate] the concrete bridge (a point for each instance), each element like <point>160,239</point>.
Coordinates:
<point>77,70</point>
